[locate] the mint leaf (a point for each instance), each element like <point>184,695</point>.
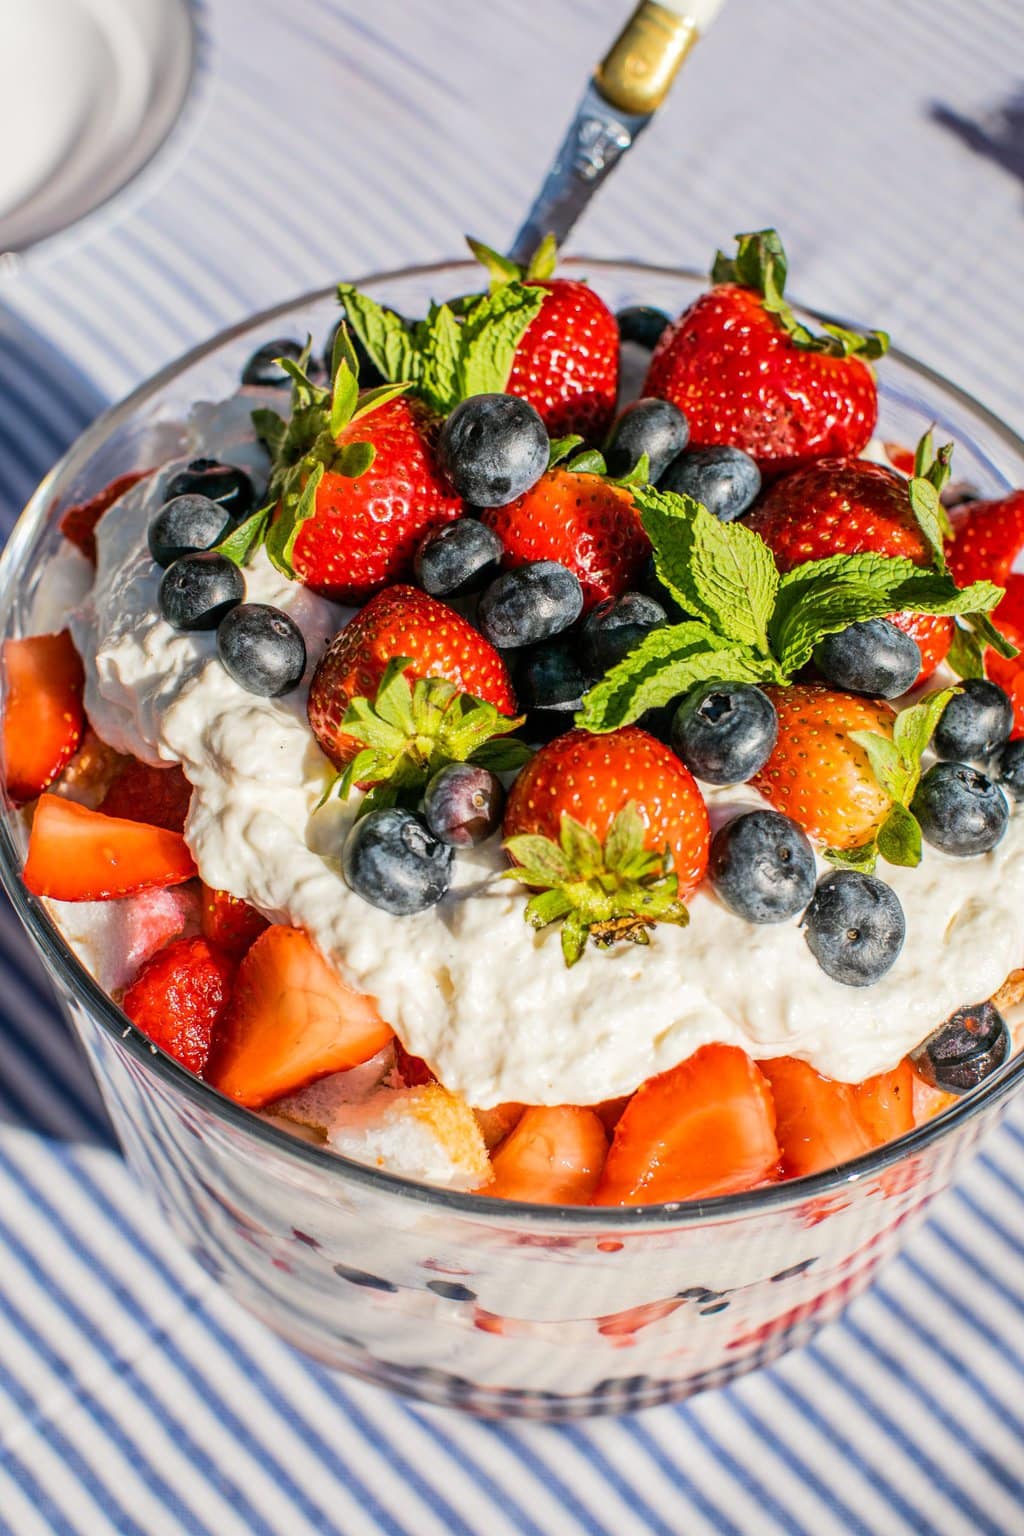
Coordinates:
<point>490,334</point>
<point>383,333</point>
<point>896,764</point>
<point>915,727</point>
<point>931,517</point>
<point>723,572</point>
<point>966,656</point>
<point>669,662</point>
<point>438,341</point>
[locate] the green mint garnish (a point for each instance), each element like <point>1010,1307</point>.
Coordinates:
<point>607,893</point>
<point>760,263</point>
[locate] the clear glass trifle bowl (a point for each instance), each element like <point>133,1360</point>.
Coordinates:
<point>491,1306</point>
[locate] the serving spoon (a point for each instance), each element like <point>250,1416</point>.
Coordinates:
<point>624,93</point>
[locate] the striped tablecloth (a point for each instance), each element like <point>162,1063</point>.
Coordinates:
<point>329,137</point>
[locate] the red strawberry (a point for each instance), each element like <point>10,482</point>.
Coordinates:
<point>1008,672</point>
<point>704,1128</point>
<point>179,997</point>
<point>554,1156</point>
<point>291,1020</point>
<point>43,715</point>
<point>567,363</point>
<point>363,532</point>
<point>582,521</point>
<point>822,1123</point>
<point>745,371</point>
<point>851,507</point>
<point>403,621</point>
<point>591,778</point>
<point>158,796</point>
<point>988,536</point>
<point>816,774</point>
<point>75,854</point>
<point>78,523</point>
<point>229,922</point>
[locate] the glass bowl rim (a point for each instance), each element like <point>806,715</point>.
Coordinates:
<point>73,975</point>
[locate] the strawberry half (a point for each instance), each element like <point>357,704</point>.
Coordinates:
<point>43,714</point>
<point>612,831</point>
<point>583,521</point>
<point>179,997</point>
<point>745,371</point>
<point>75,854</point>
<point>816,773</point>
<point>551,1157</point>
<point>704,1128</point>
<point>158,796</point>
<point>403,621</point>
<point>78,523</point>
<point>844,506</point>
<point>291,1020</point>
<point>229,922</point>
<point>821,1123</point>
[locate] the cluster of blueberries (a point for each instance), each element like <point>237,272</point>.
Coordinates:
<point>259,645</point>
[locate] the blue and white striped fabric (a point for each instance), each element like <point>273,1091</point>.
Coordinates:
<point>332,137</point>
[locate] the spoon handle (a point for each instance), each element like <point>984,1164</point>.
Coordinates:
<point>626,90</point>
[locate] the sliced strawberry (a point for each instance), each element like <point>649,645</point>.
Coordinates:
<point>230,922</point>
<point>554,1156</point>
<point>822,1123</point>
<point>704,1128</point>
<point>78,523</point>
<point>158,796</point>
<point>75,854</point>
<point>413,1070</point>
<point>988,537</point>
<point>43,715</point>
<point>179,997</point>
<point>291,1021</point>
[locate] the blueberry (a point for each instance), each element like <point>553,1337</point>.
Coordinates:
<point>493,448</point>
<point>220,482</point>
<point>762,867</point>
<point>655,427</point>
<point>394,862</point>
<point>463,804</point>
<point>643,324</point>
<point>616,627</point>
<point>197,591</point>
<point>262,369</point>
<point>873,657</point>
<point>959,809</point>
<point>974,723</point>
<point>459,558</point>
<point>1008,768</point>
<point>961,1053</point>
<point>184,526</point>
<point>725,732</point>
<point>854,927</point>
<point>551,678</point>
<point>723,479</point>
<point>532,603</point>
<point>262,648</point>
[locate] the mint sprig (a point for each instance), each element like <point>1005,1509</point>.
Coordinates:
<point>410,731</point>
<point>606,893</point>
<point>760,263</point>
<point>750,623</point>
<point>896,764</point>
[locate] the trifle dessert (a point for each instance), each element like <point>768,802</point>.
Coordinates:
<point>541,752</point>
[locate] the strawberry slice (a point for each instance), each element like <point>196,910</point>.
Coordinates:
<point>230,922</point>
<point>706,1127</point>
<point>43,715</point>
<point>291,1021</point>
<point>822,1123</point>
<point>158,796</point>
<point>179,997</point>
<point>988,537</point>
<point>75,854</point>
<point>554,1156</point>
<point>78,523</point>
<point>1008,672</point>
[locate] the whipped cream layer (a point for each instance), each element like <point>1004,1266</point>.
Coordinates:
<point>468,984</point>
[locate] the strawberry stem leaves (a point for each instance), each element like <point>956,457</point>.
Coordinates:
<point>606,894</point>
<point>760,263</point>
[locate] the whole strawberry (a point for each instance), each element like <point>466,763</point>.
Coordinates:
<point>614,828</point>
<point>401,622</point>
<point>846,506</point>
<point>354,488</point>
<point>583,521</point>
<point>987,538</point>
<point>817,774</point>
<point>745,371</point>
